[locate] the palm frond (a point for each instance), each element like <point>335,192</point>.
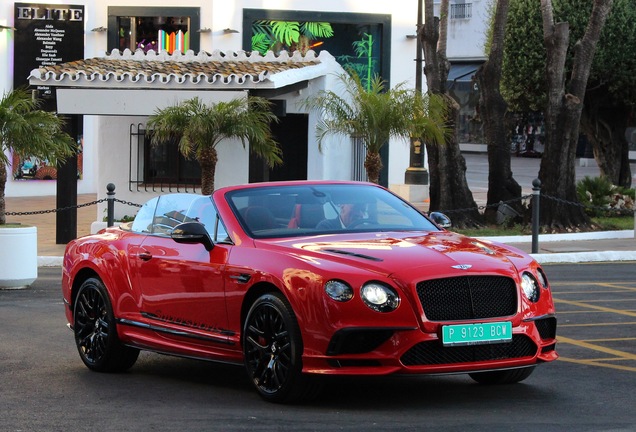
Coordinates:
<point>317,29</point>
<point>199,127</point>
<point>287,32</point>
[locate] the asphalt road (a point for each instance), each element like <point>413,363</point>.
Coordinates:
<point>45,387</point>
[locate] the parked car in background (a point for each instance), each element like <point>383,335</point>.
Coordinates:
<point>296,280</point>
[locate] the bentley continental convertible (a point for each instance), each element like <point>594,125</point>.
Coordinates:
<point>298,280</point>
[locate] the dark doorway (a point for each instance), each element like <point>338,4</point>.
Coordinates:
<point>291,134</point>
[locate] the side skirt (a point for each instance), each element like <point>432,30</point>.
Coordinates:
<point>180,333</point>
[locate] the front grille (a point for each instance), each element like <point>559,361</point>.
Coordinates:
<point>468,297</point>
<point>546,327</point>
<point>434,353</point>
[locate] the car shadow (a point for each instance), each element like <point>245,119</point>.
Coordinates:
<point>166,374</point>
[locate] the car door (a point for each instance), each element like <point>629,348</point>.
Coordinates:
<point>181,285</point>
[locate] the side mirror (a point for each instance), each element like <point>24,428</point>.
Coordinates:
<point>192,233</point>
<point>441,219</point>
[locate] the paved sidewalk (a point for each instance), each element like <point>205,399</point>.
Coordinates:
<point>553,248</point>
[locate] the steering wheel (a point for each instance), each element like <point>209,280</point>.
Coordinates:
<point>359,222</point>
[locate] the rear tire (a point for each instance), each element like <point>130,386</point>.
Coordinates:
<point>272,348</point>
<point>95,330</point>
<point>502,377</point>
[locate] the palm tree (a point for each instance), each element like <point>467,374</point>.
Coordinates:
<point>28,131</point>
<point>375,115</point>
<point>200,128</point>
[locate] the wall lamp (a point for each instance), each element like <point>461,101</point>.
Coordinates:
<point>2,27</point>
<point>411,36</point>
<point>229,30</point>
<point>99,29</point>
<point>204,30</point>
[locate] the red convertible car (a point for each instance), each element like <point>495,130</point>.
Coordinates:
<point>300,279</point>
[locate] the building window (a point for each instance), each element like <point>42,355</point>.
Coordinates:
<point>160,167</point>
<point>154,33</point>
<point>462,86</point>
<point>461,11</point>
<point>166,29</point>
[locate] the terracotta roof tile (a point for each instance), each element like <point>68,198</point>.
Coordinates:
<point>139,69</point>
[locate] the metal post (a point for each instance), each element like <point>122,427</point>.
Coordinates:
<point>536,194</point>
<point>416,173</point>
<point>111,204</point>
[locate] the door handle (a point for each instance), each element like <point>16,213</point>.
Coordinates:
<point>145,256</point>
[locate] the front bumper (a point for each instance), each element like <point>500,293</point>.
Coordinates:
<point>382,351</point>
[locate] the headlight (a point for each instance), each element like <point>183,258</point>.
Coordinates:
<point>338,290</point>
<point>379,297</point>
<point>530,287</point>
<point>543,280</point>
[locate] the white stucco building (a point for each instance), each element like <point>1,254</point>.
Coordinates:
<point>371,35</point>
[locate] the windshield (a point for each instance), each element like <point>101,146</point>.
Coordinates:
<point>297,210</point>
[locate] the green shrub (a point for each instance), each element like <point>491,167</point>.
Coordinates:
<point>594,193</point>
<point>602,198</point>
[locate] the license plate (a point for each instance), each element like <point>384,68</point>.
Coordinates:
<point>474,334</point>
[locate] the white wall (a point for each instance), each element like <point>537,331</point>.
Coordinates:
<point>218,16</point>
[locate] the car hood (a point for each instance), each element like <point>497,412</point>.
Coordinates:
<point>409,253</point>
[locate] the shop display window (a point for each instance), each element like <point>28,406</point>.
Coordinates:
<point>161,29</point>
<point>154,33</point>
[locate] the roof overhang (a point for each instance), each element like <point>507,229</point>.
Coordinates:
<point>129,102</point>
<point>124,83</point>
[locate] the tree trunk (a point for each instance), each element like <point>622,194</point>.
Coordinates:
<point>448,188</point>
<point>559,211</point>
<point>3,184</point>
<point>373,165</point>
<point>207,159</point>
<point>604,128</point>
<point>501,185</point>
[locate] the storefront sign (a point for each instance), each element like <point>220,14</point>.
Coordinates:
<point>46,35</point>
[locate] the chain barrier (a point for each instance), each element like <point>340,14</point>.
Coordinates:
<point>132,204</point>
<point>61,209</point>
<point>78,206</point>
<point>110,200</point>
<point>481,209</point>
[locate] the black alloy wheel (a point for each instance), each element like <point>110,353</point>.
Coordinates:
<point>272,347</point>
<point>95,331</point>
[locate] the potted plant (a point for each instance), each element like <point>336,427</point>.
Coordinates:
<point>28,131</point>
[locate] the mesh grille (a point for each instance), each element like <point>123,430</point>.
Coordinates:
<point>434,353</point>
<point>468,297</point>
<point>547,327</point>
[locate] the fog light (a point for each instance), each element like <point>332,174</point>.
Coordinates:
<point>530,287</point>
<point>379,297</point>
<point>338,290</point>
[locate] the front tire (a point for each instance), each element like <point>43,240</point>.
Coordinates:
<point>96,337</point>
<point>272,348</point>
<point>502,377</point>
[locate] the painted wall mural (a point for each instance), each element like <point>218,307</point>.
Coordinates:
<point>354,46</point>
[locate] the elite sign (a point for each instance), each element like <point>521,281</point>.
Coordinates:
<point>46,35</point>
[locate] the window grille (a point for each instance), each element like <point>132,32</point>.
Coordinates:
<point>160,167</point>
<point>358,157</point>
<point>461,11</point>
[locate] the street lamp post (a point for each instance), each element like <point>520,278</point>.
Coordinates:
<point>416,173</point>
